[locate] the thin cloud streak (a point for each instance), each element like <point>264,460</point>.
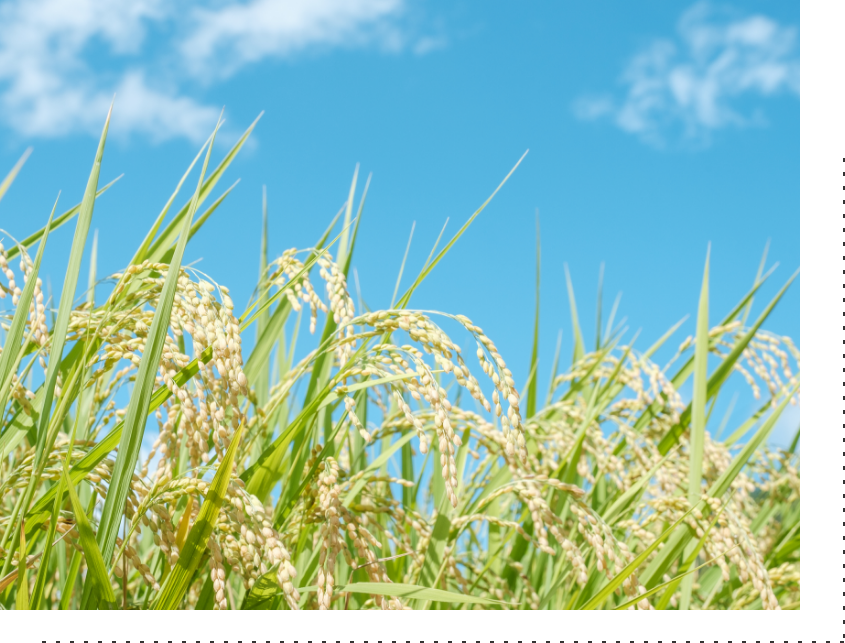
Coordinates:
<point>685,89</point>
<point>225,39</point>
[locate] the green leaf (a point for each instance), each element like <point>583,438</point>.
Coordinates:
<point>142,253</point>
<point>405,590</point>
<point>56,223</point>
<point>136,415</point>
<point>10,357</point>
<point>262,380</point>
<point>108,443</point>
<point>658,566</point>
<point>531,395</point>
<point>578,339</point>
<point>5,183</point>
<point>674,581</point>
<point>22,595</point>
<point>429,266</point>
<point>699,403</point>
<point>48,430</point>
<point>402,266</point>
<point>714,383</point>
<point>690,560</point>
<point>375,465</point>
<point>264,592</point>
<point>604,593</point>
<point>93,556</point>
<point>169,235</point>
<point>176,585</point>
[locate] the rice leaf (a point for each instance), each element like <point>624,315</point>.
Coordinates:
<point>577,338</point>
<point>93,556</point>
<point>169,235</point>
<point>402,266</point>
<point>430,265</point>
<point>143,249</point>
<point>409,591</point>
<point>136,415</point>
<point>531,395</point>
<point>57,222</point>
<point>10,356</point>
<point>173,591</point>
<point>22,595</point>
<point>674,581</point>
<point>598,599</point>
<point>6,182</point>
<point>264,592</point>
<point>723,370</point>
<point>658,566</point>
<point>62,320</point>
<point>699,402</point>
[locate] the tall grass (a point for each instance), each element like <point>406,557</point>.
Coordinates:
<point>383,468</point>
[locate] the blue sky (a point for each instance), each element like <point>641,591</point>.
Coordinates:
<point>653,128</point>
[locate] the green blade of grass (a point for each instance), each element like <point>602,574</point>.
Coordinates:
<point>264,592</point>
<point>262,380</point>
<point>598,599</point>
<point>343,248</point>
<point>699,403</point>
<point>177,582</point>
<point>531,394</point>
<point>598,306</point>
<point>169,235</point>
<point>794,444</point>
<point>619,505</point>
<point>409,591</point>
<point>200,220</point>
<point>658,566</point>
<point>555,364</point>
<point>70,581</point>
<point>375,465</point>
<point>402,266</point>
<point>674,581</point>
<point>5,183</point>
<point>93,556</point>
<point>22,594</point>
<point>685,566</point>
<point>109,442</point>
<point>12,346</point>
<point>143,249</point>
<point>142,252</point>
<point>714,383</point>
<point>136,416</point>
<point>55,223</point>
<point>608,329</point>
<point>62,321</point>
<point>757,280</point>
<point>430,265</point>
<point>577,338</point>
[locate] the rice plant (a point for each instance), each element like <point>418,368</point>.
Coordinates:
<point>383,468</point>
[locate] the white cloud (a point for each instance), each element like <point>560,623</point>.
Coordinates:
<point>61,61</point>
<point>694,85</point>
<point>48,87</point>
<point>224,39</point>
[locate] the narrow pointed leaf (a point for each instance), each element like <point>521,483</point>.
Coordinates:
<point>176,585</point>
<point>136,414</point>
<point>93,556</point>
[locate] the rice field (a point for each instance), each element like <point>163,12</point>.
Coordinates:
<point>384,468</point>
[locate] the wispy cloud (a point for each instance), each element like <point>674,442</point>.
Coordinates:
<point>226,38</point>
<point>61,61</point>
<point>686,88</point>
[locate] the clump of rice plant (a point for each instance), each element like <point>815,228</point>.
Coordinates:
<point>384,468</point>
